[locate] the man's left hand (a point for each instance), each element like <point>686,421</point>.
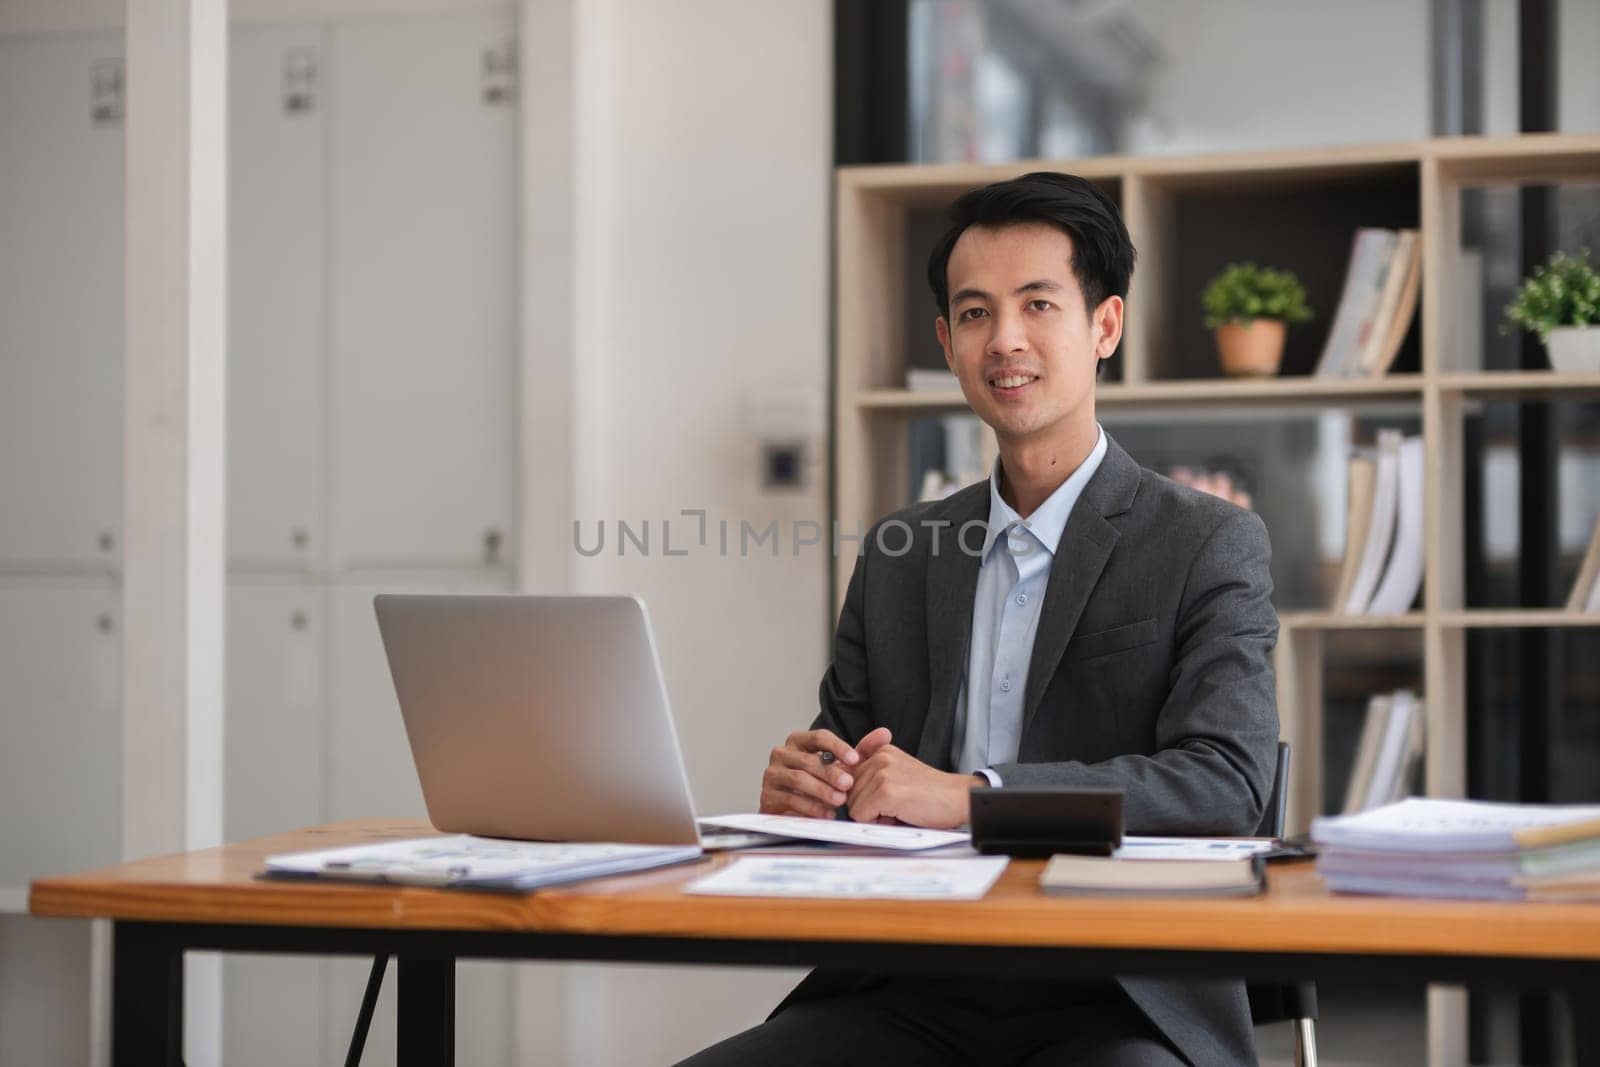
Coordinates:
<point>892,784</point>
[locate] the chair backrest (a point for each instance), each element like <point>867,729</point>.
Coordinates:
<point>1278,800</point>
<point>1279,1003</point>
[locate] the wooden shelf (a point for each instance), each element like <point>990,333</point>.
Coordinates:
<point>1193,393</point>
<point>1518,618</point>
<point>1332,620</point>
<point>1529,158</point>
<point>1529,385</point>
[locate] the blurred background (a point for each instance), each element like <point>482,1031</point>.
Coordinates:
<point>494,269</point>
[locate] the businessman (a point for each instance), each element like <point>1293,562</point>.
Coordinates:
<point>1075,620</point>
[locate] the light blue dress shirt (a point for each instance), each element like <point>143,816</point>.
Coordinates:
<point>1017,556</point>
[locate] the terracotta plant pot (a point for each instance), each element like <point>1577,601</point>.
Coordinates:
<point>1252,351</point>
<point>1574,349</point>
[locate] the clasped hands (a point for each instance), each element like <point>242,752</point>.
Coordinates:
<point>879,782</point>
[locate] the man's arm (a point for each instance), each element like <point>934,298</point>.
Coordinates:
<point>844,701</point>
<point>1217,733</point>
<point>797,780</point>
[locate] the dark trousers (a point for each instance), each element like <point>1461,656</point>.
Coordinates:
<point>953,1021</point>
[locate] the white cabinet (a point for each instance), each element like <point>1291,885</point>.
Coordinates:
<point>60,301</point>
<point>61,762</point>
<point>273,778</point>
<point>371,428</point>
<point>370,771</point>
<point>422,255</point>
<point>277,389</point>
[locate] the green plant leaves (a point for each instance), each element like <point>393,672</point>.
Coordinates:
<point>1565,291</point>
<point>1244,292</point>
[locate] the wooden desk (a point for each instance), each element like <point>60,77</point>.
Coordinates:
<point>212,899</point>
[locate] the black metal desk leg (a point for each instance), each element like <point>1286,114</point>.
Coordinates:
<point>426,1027</point>
<point>146,997</point>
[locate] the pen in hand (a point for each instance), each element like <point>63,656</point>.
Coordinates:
<point>829,759</point>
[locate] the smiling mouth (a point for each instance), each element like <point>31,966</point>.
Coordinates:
<point>1012,382</point>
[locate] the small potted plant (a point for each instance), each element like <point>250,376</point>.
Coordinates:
<point>1560,302</point>
<point>1250,308</point>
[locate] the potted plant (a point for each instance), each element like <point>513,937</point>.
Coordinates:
<point>1250,308</point>
<point>1560,302</point>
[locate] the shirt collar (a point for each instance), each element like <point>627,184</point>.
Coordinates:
<point>1049,519</point>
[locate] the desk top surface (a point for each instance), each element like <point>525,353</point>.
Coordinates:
<point>1297,914</point>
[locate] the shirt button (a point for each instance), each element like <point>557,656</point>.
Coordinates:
<point>1022,598</point>
<point>1005,685</point>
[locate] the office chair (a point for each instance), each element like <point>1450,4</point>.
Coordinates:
<point>1296,1002</point>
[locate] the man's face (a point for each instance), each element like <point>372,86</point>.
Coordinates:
<point>1019,338</point>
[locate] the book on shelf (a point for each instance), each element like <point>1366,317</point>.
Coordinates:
<point>1397,316</point>
<point>1381,572</point>
<point>1388,753</point>
<point>1380,514</point>
<point>1585,595</point>
<point>1369,251</point>
<point>1376,305</point>
<point>1358,518</point>
<point>1366,757</point>
<point>1430,847</point>
<point>961,452</point>
<point>1402,576</point>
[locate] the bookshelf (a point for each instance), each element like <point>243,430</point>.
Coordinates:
<point>1187,215</point>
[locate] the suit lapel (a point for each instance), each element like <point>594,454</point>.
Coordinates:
<point>1086,545</point>
<point>952,587</point>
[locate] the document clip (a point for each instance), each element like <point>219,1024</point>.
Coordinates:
<point>1043,822</point>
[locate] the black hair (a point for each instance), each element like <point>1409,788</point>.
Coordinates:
<point>1102,253</point>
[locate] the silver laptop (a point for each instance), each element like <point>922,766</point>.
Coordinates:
<point>537,717</point>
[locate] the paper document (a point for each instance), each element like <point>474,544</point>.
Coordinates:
<point>1192,848</point>
<point>854,878</point>
<point>479,862</point>
<point>1426,824</point>
<point>837,831</point>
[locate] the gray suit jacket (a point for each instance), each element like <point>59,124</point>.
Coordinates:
<point>1151,673</point>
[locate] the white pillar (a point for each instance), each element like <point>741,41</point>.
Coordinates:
<point>560,61</point>
<point>562,287</point>
<point>174,439</point>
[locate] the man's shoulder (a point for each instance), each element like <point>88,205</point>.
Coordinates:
<point>1179,512</point>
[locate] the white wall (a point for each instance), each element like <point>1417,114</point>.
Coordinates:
<point>699,263</point>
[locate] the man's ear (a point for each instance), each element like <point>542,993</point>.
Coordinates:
<point>1108,324</point>
<point>941,330</point>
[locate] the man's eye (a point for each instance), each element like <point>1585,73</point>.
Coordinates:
<point>973,313</point>
<point>1040,305</point>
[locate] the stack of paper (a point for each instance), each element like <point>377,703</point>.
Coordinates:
<point>1463,848</point>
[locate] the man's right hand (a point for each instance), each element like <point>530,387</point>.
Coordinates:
<point>798,782</point>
